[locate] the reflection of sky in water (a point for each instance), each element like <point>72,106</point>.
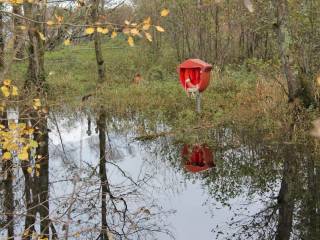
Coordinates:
<point>196,212</point>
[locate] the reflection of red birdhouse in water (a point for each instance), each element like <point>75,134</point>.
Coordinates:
<point>194,74</point>
<point>197,158</point>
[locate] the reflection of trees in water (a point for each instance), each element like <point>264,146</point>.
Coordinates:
<point>307,202</point>
<point>124,222</point>
<point>7,185</point>
<point>86,202</point>
<point>282,178</point>
<point>273,175</point>
<point>76,198</point>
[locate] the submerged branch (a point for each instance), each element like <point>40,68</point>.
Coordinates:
<point>152,136</point>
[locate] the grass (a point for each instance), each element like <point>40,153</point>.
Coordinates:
<point>239,95</point>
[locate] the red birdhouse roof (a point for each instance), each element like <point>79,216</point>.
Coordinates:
<point>196,63</point>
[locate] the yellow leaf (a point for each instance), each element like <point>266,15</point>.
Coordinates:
<point>33,144</point>
<point>14,91</point>
<point>147,21</point>
<point>6,156</point>
<point>38,174</point>
<point>126,22</point>
<point>22,125</point>
<point>104,30</point>
<point>89,30</point>
<point>114,34</point>
<point>7,82</point>
<point>29,131</point>
<point>148,36</point>
<point>23,27</point>
<point>318,80</point>
<point>29,170</point>
<point>50,23</point>
<point>146,27</point>
<point>26,232</point>
<point>36,103</point>
<point>67,42</point>
<point>13,147</point>
<point>23,156</point>
<point>134,31</point>
<point>22,140</point>
<point>159,29</point>
<point>99,29</point>
<point>42,37</point>
<point>12,125</point>
<point>165,12</point>
<point>59,18</point>
<point>38,166</point>
<point>5,91</point>
<point>131,41</point>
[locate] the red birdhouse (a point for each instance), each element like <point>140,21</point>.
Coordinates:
<point>194,74</point>
<point>198,158</point>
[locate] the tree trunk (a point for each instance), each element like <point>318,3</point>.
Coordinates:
<point>295,89</point>
<point>103,173</point>
<point>17,23</point>
<point>97,43</point>
<point>217,33</point>
<point>201,43</point>
<point>36,73</point>
<point>286,197</point>
<point>30,190</point>
<point>312,203</point>
<point>2,40</point>
<point>7,169</point>
<point>42,138</point>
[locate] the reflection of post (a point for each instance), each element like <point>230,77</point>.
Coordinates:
<point>198,102</point>
<point>103,172</point>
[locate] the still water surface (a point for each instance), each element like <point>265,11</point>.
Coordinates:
<point>256,189</point>
<point>193,212</point>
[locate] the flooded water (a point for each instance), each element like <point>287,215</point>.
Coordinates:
<point>225,183</point>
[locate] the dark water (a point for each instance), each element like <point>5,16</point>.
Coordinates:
<point>249,188</point>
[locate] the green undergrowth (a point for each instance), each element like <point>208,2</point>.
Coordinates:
<point>240,95</point>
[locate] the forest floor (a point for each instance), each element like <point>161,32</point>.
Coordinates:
<point>243,96</point>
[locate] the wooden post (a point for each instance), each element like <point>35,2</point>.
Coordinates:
<point>198,102</point>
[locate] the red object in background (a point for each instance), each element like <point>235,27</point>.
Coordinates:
<point>198,158</point>
<point>194,73</point>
